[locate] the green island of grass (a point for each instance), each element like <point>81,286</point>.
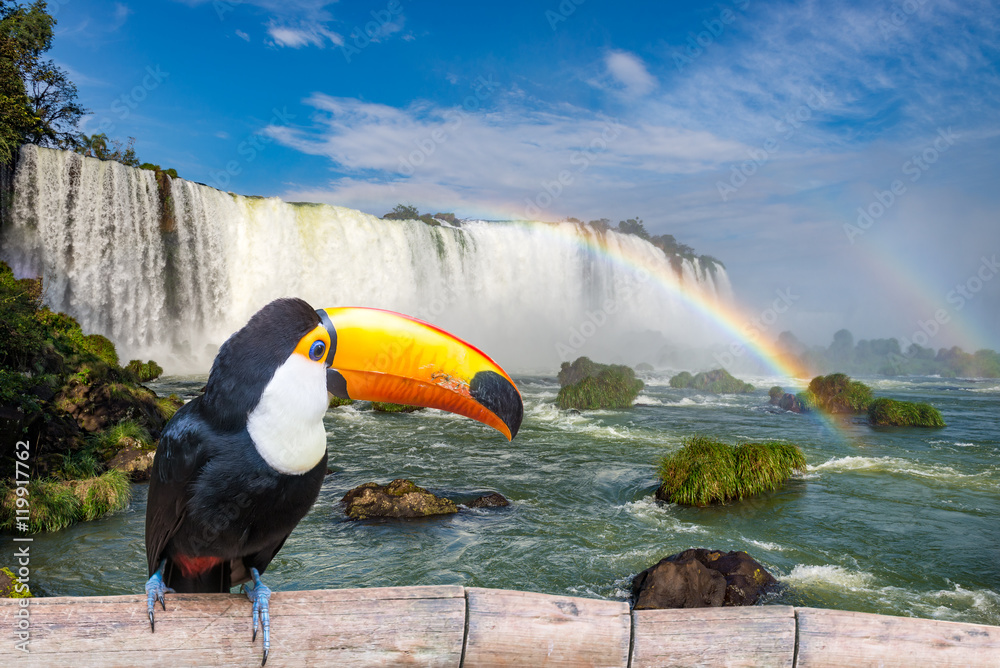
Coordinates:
<point>587,385</point>
<point>706,471</point>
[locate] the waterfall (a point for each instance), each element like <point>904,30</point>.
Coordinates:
<point>169,275</point>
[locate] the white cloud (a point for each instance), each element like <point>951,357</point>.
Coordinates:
<point>630,72</point>
<point>242,35</point>
<point>298,37</point>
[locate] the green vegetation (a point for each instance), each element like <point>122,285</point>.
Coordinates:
<point>56,504</point>
<point>890,412</point>
<point>145,372</point>
<point>10,587</point>
<point>63,389</point>
<point>889,357</point>
<point>37,101</point>
<point>706,471</point>
<point>587,385</point>
<point>718,381</point>
<point>386,407</point>
<point>776,393</point>
<point>837,393</point>
<point>337,401</point>
<point>409,212</point>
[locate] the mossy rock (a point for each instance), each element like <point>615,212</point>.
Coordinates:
<point>614,386</point>
<point>10,587</point>
<point>837,393</point>
<point>718,381</point>
<point>400,499</point>
<point>337,402</point>
<point>57,504</point>
<point>145,372</point>
<point>386,407</point>
<point>893,413</point>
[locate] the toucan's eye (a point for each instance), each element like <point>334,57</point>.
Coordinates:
<point>316,350</point>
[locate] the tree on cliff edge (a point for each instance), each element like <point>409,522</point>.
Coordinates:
<point>37,100</point>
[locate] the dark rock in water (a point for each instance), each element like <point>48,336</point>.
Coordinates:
<point>786,401</point>
<point>399,499</point>
<point>491,500</point>
<point>135,462</point>
<point>700,578</point>
<point>678,584</point>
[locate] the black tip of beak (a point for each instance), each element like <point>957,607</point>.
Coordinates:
<point>498,395</point>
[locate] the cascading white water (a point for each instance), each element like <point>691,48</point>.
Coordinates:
<point>173,287</point>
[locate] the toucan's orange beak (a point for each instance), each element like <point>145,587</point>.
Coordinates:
<point>378,355</point>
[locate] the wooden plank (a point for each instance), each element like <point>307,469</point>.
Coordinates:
<point>420,626</point>
<point>516,628</point>
<point>836,638</point>
<point>751,636</point>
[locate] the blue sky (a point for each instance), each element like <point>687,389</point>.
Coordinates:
<point>758,132</point>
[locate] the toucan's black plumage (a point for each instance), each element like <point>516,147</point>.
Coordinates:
<point>215,507</point>
<point>237,468</point>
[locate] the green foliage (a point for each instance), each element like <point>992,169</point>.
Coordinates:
<point>96,146</point>
<point>837,393</point>
<point>403,212</point>
<point>681,381</point>
<point>336,402</point>
<point>169,405</point>
<point>79,465</point>
<point>718,381</point>
<point>890,412</point>
<point>52,505</point>
<point>55,504</point>
<point>37,100</point>
<point>21,335</point>
<point>776,393</point>
<point>706,471</point>
<point>582,367</point>
<point>102,347</point>
<point>101,495</point>
<point>614,386</point>
<point>385,407</point>
<point>145,372</point>
<point>127,434</point>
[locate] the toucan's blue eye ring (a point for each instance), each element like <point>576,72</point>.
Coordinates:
<point>316,350</point>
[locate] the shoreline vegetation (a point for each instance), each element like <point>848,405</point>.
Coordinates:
<point>66,395</point>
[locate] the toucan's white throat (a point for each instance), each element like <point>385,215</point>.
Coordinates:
<point>287,424</point>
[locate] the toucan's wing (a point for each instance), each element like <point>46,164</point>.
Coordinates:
<point>179,456</point>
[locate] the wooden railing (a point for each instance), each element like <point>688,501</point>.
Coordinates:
<point>468,626</point>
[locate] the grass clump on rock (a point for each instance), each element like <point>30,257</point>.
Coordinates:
<point>718,381</point>
<point>706,471</point>
<point>56,504</point>
<point>890,412</point>
<point>837,393</point>
<point>587,385</point>
<point>386,407</point>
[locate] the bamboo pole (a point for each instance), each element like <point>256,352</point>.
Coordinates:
<point>459,626</point>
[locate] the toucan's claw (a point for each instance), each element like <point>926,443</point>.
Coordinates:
<point>261,613</point>
<point>155,589</point>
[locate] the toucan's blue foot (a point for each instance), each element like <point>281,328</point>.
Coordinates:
<point>259,596</point>
<point>155,589</point>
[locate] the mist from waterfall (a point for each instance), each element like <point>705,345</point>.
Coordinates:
<point>173,285</point>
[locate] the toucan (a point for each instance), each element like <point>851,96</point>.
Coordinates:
<point>238,467</point>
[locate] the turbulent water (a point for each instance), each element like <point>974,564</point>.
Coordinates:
<point>173,285</point>
<point>894,521</point>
